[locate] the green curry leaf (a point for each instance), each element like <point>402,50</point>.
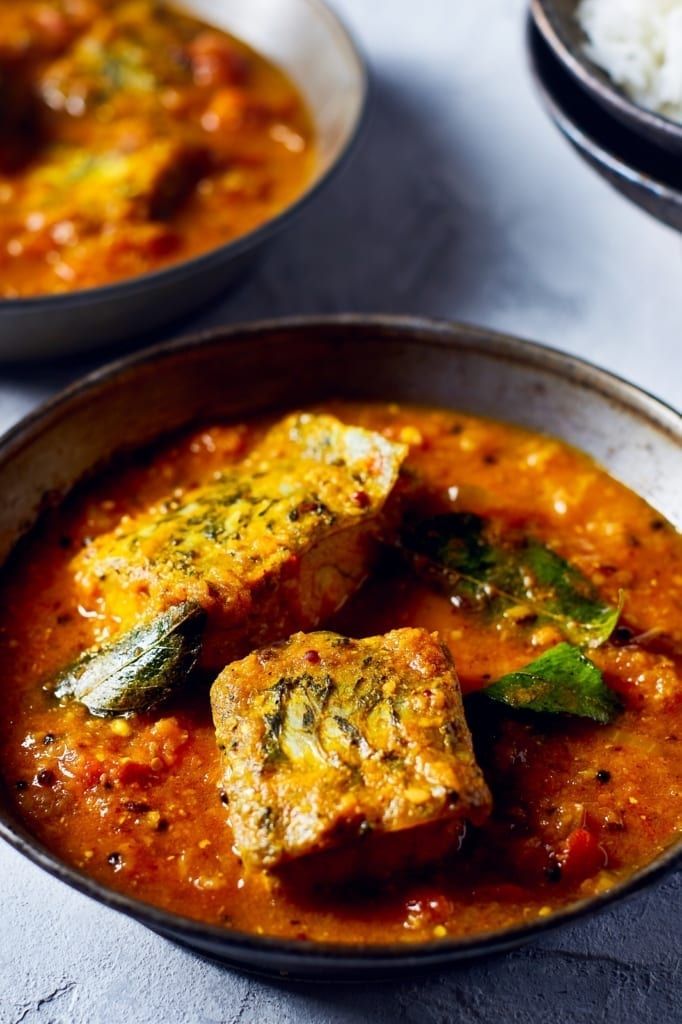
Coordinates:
<point>562,680</point>
<point>495,573</point>
<point>569,596</point>
<point>140,669</point>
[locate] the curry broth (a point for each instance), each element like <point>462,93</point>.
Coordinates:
<point>133,136</point>
<point>577,806</point>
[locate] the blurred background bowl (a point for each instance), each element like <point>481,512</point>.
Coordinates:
<point>306,40</point>
<point>640,170</point>
<point>557,23</point>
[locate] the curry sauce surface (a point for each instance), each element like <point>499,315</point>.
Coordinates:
<point>136,803</point>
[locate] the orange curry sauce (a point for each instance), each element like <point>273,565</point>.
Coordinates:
<point>133,136</point>
<point>135,802</point>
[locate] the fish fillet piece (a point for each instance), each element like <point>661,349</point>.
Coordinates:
<point>278,543</point>
<point>124,58</point>
<point>355,750</point>
<point>114,186</point>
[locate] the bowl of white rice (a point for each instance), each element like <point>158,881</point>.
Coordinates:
<point>627,54</point>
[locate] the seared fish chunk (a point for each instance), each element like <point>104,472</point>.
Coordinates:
<point>276,544</point>
<point>354,746</point>
<point>114,186</point>
<point>124,59</point>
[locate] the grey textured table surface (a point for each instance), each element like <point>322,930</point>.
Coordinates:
<point>463,201</point>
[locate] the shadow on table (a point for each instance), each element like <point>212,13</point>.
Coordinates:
<point>616,967</point>
<point>399,231</point>
<point>403,228</point>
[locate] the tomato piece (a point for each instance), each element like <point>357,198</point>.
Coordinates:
<point>216,61</point>
<point>133,772</point>
<point>582,855</point>
<point>90,773</point>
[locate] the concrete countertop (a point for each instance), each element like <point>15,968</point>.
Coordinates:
<point>463,201</point>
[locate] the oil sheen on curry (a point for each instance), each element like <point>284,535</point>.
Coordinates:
<point>362,673</point>
<point>133,136</point>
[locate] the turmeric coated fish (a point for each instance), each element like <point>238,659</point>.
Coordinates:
<point>353,748</point>
<point>276,544</point>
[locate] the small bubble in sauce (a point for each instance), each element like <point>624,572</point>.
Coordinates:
<point>46,777</point>
<point>115,859</point>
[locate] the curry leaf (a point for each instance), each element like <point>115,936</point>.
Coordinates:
<point>569,595</point>
<point>495,573</point>
<point>140,669</point>
<point>562,680</point>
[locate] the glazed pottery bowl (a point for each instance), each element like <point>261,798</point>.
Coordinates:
<point>307,41</point>
<point>557,22</point>
<point>235,372</point>
<point>641,171</point>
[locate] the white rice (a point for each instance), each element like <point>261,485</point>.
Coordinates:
<point>639,44</point>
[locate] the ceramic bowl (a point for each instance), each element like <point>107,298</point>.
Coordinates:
<point>641,171</point>
<point>238,371</point>
<point>557,22</point>
<point>309,42</point>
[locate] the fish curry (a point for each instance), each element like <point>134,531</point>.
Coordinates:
<point>366,673</point>
<point>133,136</point>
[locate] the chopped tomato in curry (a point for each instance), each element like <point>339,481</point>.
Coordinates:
<point>583,793</point>
<point>133,136</point>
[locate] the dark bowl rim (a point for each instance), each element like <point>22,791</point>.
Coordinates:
<point>588,74</point>
<point>242,243</point>
<point>584,138</point>
<point>290,954</point>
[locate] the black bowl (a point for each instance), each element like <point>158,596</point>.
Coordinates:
<point>557,22</point>
<point>235,371</point>
<point>649,176</point>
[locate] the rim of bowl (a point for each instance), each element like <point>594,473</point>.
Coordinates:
<point>596,80</point>
<point>584,138</point>
<point>269,950</point>
<point>251,239</point>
